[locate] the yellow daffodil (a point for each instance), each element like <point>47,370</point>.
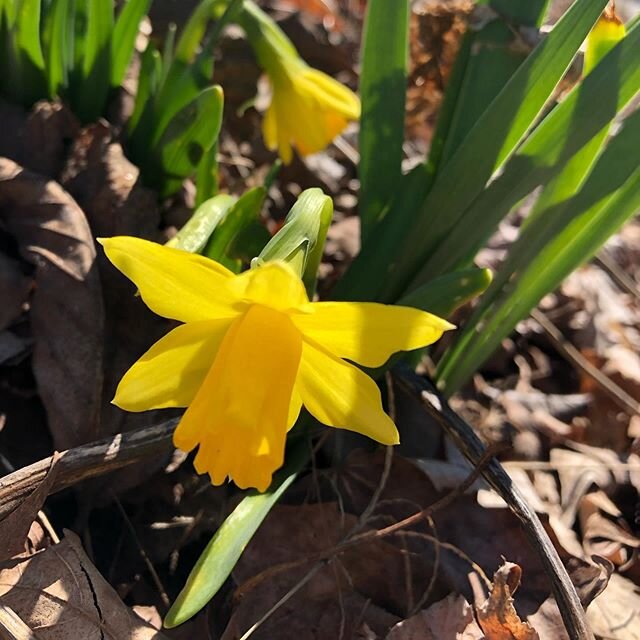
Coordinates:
<point>251,352</point>
<point>308,108</point>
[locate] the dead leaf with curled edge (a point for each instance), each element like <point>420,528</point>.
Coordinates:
<point>605,531</point>
<point>15,526</point>
<point>107,187</point>
<point>52,234</point>
<point>498,616</point>
<point>615,614</point>
<point>59,595</point>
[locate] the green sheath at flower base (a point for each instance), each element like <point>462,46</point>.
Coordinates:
<point>300,242</point>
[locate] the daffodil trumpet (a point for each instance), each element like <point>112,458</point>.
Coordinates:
<point>308,108</point>
<point>253,350</point>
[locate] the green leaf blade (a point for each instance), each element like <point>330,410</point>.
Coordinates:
<point>569,136</point>
<point>188,137</point>
<point>225,548</point>
<point>383,85</point>
<point>397,250</point>
<point>124,37</point>
<point>548,250</point>
<point>195,234</point>
<point>244,211</point>
<point>58,46</point>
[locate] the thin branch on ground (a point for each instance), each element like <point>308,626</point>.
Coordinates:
<point>471,446</point>
<point>350,540</point>
<point>143,554</point>
<point>434,573</point>
<point>573,355</point>
<point>88,461</point>
<point>617,274</point>
<point>12,627</point>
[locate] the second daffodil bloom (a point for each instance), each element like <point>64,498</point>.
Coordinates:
<point>308,108</point>
<point>251,352</point>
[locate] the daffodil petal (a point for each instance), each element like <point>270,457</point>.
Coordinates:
<point>240,415</point>
<point>330,92</point>
<point>367,332</point>
<point>173,283</point>
<point>339,395</point>
<point>270,128</point>
<point>294,408</point>
<point>309,108</point>
<point>170,373</point>
<point>274,284</point>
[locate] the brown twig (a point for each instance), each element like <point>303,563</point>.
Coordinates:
<point>41,516</point>
<point>326,555</point>
<point>143,553</point>
<point>471,446</point>
<point>12,627</point>
<point>566,349</point>
<point>617,274</point>
<point>352,539</point>
<point>87,461</point>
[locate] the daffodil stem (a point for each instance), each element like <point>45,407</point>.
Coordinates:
<point>225,548</point>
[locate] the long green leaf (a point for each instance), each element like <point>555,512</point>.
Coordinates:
<point>244,211</point>
<point>188,137</point>
<point>57,41</point>
<point>492,58</point>
<point>582,117</point>
<point>190,72</point>
<point>383,83</point>
<point>489,55</point>
<point>207,176</point>
<point>150,72</point>
<point>26,62</point>
<point>400,244</point>
<point>124,37</point>
<point>548,250</point>
<point>529,13</point>
<point>28,31</point>
<point>90,84</point>
<point>223,552</point>
<point>195,234</point>
<point>443,295</point>
<point>563,185</point>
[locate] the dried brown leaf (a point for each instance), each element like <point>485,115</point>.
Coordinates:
<point>364,586</point>
<point>107,186</point>
<point>615,614</point>
<point>14,290</point>
<point>498,616</point>
<point>52,234</point>
<point>449,619</point>
<point>14,527</point>
<point>59,594</point>
<point>605,531</point>
<point>12,627</point>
